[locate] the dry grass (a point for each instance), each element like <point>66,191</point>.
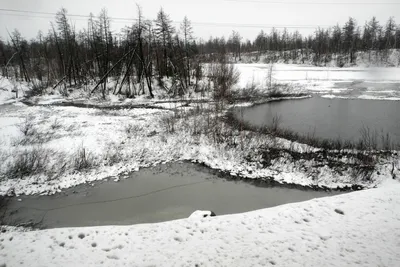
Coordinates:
<point>83,160</point>
<point>113,154</point>
<point>132,129</point>
<point>27,127</point>
<point>28,162</point>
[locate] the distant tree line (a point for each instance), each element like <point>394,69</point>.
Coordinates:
<point>346,40</point>
<point>149,53</point>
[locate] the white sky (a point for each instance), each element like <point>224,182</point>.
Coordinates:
<point>298,13</point>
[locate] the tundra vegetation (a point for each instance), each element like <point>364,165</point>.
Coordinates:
<point>156,61</point>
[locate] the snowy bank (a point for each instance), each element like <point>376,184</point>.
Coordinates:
<point>355,229</point>
<point>61,147</point>
<point>365,97</point>
<point>10,90</point>
<point>82,145</point>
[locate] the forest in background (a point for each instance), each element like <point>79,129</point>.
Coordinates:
<point>148,53</point>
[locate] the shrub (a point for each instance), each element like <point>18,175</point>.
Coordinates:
<point>28,162</point>
<point>37,88</point>
<point>368,139</point>
<point>132,128</point>
<point>113,154</point>
<point>224,76</point>
<point>83,160</point>
<point>26,127</point>
<point>169,123</point>
<point>31,135</point>
<point>55,124</point>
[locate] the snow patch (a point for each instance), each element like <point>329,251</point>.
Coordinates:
<point>355,229</point>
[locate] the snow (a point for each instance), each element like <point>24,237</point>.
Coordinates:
<point>369,97</point>
<point>125,140</point>
<point>329,96</point>
<point>301,78</point>
<point>287,73</point>
<point>198,214</point>
<point>355,229</point>
<point>335,82</point>
<point>121,141</point>
<point>7,86</point>
<point>365,97</point>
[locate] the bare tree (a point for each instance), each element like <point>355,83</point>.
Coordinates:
<point>187,32</point>
<point>164,31</point>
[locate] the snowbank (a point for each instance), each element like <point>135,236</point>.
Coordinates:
<point>9,88</point>
<point>356,229</point>
<point>365,97</point>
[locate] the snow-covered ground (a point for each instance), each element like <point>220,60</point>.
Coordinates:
<point>356,82</point>
<point>119,141</point>
<point>382,83</point>
<point>355,229</point>
<point>9,90</point>
<point>114,142</point>
<point>69,146</point>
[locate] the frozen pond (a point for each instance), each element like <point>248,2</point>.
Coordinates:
<point>329,118</point>
<point>161,193</point>
<point>356,82</point>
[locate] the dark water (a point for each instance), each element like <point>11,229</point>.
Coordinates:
<point>165,192</point>
<point>329,118</point>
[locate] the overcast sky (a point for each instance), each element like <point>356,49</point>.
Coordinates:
<point>256,14</point>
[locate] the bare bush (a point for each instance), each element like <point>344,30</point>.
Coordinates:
<point>113,154</point>
<point>224,76</point>
<point>82,160</point>
<point>34,138</point>
<point>132,128</point>
<point>169,123</point>
<point>246,94</point>
<point>56,124</point>
<point>363,173</point>
<point>57,166</point>
<point>368,139</point>
<point>38,88</point>
<point>28,162</point>
<point>26,127</point>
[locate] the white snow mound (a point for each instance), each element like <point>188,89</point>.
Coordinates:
<point>355,229</point>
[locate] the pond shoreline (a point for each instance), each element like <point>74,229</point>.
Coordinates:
<point>256,163</point>
<point>364,162</point>
<point>291,135</point>
<point>185,183</point>
<point>270,181</point>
